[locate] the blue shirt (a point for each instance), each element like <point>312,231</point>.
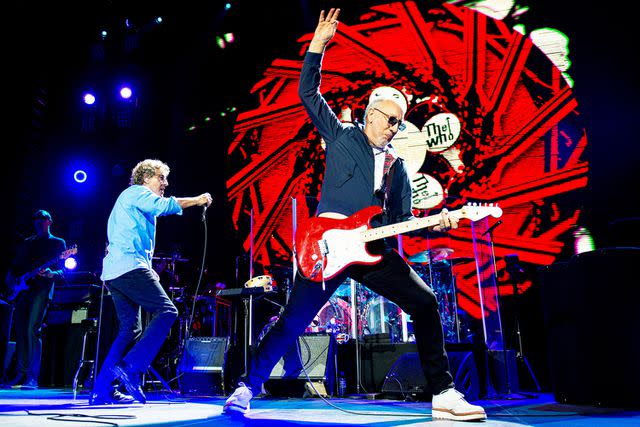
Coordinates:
<point>131,230</point>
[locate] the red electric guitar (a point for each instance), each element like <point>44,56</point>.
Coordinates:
<point>326,246</point>
<point>15,285</point>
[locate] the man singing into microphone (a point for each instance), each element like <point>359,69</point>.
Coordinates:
<point>128,273</point>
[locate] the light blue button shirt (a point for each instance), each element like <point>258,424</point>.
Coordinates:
<point>131,230</point>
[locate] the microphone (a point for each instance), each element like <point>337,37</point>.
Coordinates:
<point>490,229</point>
<point>204,213</point>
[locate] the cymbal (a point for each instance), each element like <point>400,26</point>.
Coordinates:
<point>420,257</point>
<point>435,254</point>
<point>438,254</point>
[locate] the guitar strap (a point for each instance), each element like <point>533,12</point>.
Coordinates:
<point>387,183</point>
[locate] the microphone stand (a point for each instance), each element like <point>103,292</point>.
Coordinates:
<point>508,395</point>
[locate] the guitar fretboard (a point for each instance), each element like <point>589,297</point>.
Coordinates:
<point>404,227</point>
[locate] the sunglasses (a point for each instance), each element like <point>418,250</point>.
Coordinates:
<point>393,120</point>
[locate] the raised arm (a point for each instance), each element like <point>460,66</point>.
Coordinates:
<point>323,118</point>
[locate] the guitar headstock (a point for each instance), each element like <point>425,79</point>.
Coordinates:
<point>476,211</point>
<point>72,250</point>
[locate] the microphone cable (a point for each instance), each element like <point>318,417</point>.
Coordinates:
<point>204,256</point>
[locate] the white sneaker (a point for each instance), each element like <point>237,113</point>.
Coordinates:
<point>451,405</point>
<point>238,402</point>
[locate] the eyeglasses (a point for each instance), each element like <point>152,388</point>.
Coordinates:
<point>393,120</point>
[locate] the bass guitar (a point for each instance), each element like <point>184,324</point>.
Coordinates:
<point>326,246</point>
<point>15,285</point>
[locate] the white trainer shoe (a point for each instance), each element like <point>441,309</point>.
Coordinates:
<point>451,405</point>
<point>238,402</point>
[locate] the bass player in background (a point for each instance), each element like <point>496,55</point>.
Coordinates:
<point>30,304</point>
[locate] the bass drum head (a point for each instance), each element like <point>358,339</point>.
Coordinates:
<point>334,316</point>
<point>383,316</point>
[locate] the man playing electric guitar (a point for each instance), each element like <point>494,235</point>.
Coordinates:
<point>362,171</point>
<point>31,303</point>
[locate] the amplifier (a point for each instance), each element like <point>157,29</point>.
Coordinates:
<point>201,368</point>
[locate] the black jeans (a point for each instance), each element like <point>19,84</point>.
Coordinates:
<point>392,278</point>
<point>30,310</point>
<point>130,292</point>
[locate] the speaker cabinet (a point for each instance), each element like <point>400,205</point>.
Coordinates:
<point>201,368</point>
<point>407,377</point>
<point>317,353</point>
<point>591,322</point>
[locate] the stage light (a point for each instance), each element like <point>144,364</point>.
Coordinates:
<point>70,263</point>
<point>158,20</point>
<point>583,241</point>
<point>228,37</point>
<point>80,176</point>
<point>220,42</point>
<point>227,6</point>
<point>89,98</point>
<point>103,34</point>
<point>126,92</point>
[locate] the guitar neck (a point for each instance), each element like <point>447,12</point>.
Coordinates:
<point>403,227</point>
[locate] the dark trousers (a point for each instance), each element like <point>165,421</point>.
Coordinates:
<point>131,292</point>
<point>392,278</point>
<point>6,314</point>
<point>30,310</point>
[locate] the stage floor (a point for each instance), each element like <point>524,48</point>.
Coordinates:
<point>55,407</point>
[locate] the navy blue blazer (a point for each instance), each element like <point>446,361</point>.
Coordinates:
<point>349,170</point>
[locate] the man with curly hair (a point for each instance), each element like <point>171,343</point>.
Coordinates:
<point>128,273</point>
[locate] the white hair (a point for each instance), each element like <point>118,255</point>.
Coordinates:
<point>386,93</point>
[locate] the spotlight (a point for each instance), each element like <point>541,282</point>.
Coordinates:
<point>228,37</point>
<point>158,20</point>
<point>103,34</point>
<point>70,263</point>
<point>220,42</point>
<point>227,6</point>
<point>89,98</point>
<point>125,92</point>
<point>80,176</point>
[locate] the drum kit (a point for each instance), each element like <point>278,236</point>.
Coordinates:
<point>435,267</point>
<point>375,314</point>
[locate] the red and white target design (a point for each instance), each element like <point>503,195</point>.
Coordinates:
<point>490,119</point>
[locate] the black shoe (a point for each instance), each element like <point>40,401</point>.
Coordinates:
<point>131,381</point>
<point>30,384</point>
<point>115,397</point>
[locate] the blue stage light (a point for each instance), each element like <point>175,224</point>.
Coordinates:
<point>70,263</point>
<point>126,92</point>
<point>89,98</point>
<point>80,176</point>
